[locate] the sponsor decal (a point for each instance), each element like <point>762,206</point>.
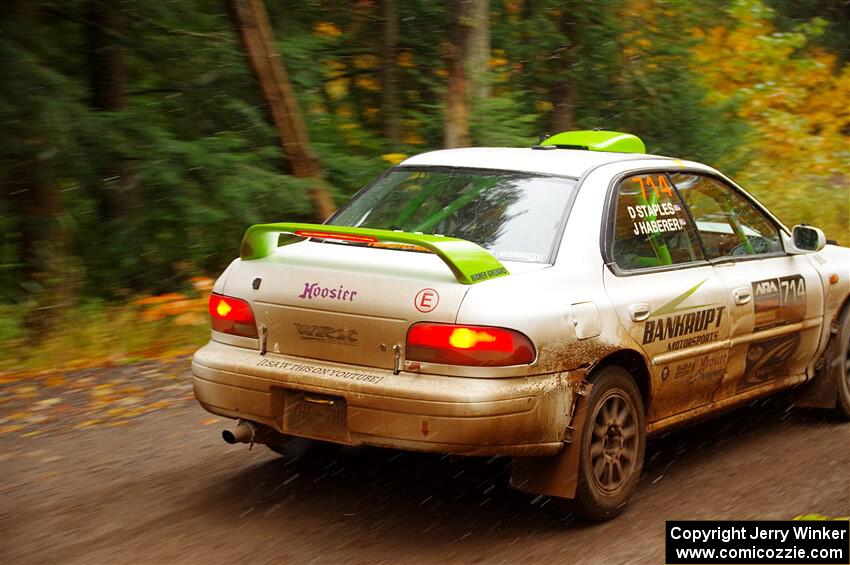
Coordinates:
<point>314,290</point>
<point>673,305</point>
<point>653,217</point>
<point>683,327</point>
<point>657,226</point>
<point>695,340</point>
<point>323,371</point>
<point>651,210</point>
<point>779,301</point>
<point>343,336</point>
<point>769,359</point>
<point>680,325</point>
<point>705,368</point>
<point>484,275</point>
<point>519,256</point>
<point>426,300</point>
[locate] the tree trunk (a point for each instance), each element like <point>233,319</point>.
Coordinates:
<point>389,74</point>
<point>456,126</point>
<point>37,204</point>
<point>43,241</point>
<point>252,23</point>
<point>564,93</point>
<point>106,67</point>
<point>107,75</point>
<point>478,57</point>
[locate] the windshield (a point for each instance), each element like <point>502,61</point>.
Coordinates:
<point>515,216</point>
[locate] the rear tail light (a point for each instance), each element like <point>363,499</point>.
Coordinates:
<point>452,344</point>
<point>232,316</point>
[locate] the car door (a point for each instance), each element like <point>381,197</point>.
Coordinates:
<point>776,298</point>
<point>668,298</point>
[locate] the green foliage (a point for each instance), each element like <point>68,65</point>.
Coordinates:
<point>550,42</point>
<point>160,188</point>
<point>834,15</point>
<point>666,102</point>
<point>674,120</point>
<point>792,93</point>
<point>499,122</point>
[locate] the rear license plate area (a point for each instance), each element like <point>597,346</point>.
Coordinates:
<point>315,415</point>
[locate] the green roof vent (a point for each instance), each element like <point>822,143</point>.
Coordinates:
<point>596,140</point>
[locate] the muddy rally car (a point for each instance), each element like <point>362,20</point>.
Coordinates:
<point>554,304</point>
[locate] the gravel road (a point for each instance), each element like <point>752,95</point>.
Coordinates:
<point>150,481</point>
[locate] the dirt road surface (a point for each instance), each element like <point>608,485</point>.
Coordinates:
<point>89,476</point>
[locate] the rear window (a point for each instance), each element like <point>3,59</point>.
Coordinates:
<point>515,216</point>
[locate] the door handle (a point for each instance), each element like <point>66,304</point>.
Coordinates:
<point>742,295</point>
<point>639,312</point>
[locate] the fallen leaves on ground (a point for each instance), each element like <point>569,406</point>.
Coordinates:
<point>55,401</point>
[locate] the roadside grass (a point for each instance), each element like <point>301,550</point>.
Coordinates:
<point>95,333</point>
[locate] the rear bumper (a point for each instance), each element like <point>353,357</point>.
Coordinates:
<point>361,406</point>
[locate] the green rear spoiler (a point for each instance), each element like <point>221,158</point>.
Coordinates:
<point>469,262</point>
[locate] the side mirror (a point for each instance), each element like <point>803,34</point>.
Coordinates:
<point>806,239</point>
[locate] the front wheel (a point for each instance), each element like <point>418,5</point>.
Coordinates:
<point>613,442</point>
<point>842,370</point>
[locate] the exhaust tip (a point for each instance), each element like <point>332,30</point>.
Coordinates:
<point>244,432</point>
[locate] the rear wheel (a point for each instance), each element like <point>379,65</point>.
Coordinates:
<point>613,442</point>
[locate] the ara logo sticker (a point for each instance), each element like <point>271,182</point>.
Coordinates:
<point>674,322</point>
<point>766,287</point>
<point>343,336</point>
<point>426,300</point>
<point>779,301</point>
<point>313,290</point>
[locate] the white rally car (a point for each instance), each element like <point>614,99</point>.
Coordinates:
<point>555,304</point>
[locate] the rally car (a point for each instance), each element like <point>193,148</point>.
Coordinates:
<point>555,304</point>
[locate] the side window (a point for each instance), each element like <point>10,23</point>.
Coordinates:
<point>728,224</point>
<point>651,226</point>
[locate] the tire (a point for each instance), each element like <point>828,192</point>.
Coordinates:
<point>613,442</point>
<point>842,365</point>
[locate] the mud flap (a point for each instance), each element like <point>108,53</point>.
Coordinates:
<point>822,390</point>
<point>556,475</point>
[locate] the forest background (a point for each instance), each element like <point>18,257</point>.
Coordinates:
<point>141,138</point>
